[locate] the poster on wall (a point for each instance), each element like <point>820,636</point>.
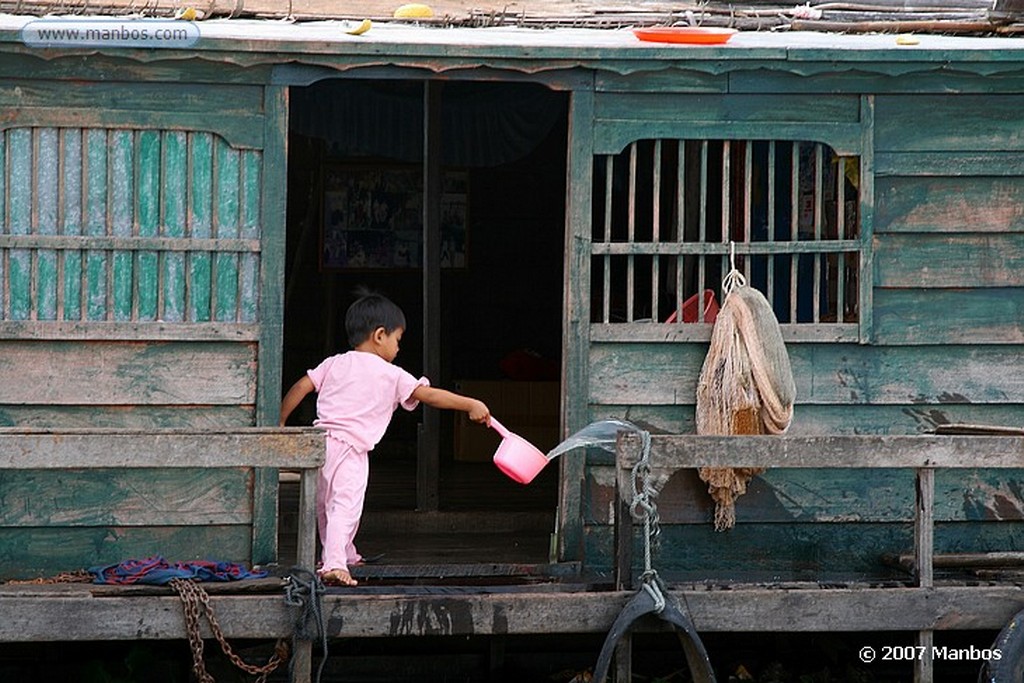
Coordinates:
<point>373,218</point>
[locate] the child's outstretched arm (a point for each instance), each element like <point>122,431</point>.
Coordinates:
<point>446,400</point>
<point>294,397</point>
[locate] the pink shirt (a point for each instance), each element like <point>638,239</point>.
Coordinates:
<point>357,392</point>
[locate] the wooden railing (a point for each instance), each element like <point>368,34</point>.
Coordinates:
<point>292,448</point>
<point>924,454</point>
<point>300,449</point>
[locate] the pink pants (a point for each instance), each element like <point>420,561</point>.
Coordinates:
<point>340,492</point>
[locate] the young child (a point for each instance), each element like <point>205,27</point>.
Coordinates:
<point>357,392</point>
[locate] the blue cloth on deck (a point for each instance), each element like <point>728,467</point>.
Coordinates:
<point>158,571</point>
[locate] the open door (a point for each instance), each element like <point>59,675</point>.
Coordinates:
<point>485,319</point>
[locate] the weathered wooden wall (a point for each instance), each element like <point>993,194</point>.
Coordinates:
<point>134,248</point>
<point>942,323</point>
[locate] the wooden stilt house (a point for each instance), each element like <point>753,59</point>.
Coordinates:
<point>182,228</point>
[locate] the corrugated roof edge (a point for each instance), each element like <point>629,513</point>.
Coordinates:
<point>524,49</point>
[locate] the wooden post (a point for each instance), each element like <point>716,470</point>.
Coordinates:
<point>428,468</point>
<point>305,556</point>
<point>576,320</point>
<point>924,548</point>
<point>924,528</point>
<point>625,443</point>
<point>623,577</point>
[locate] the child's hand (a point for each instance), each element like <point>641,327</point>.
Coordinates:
<point>479,412</point>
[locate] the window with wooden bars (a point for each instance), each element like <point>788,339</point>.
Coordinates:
<point>665,213</point>
<point>120,226</point>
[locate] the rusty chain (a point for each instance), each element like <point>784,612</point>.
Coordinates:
<point>193,597</point>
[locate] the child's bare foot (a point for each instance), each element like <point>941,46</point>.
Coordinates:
<point>338,577</point>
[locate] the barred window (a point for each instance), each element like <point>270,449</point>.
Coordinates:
<point>665,212</point>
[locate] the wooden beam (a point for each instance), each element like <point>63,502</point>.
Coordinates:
<point>924,666</point>
<point>428,471</point>
<point>102,330</point>
<point>964,452</point>
<point>999,559</point>
<point>71,613</point>
<point>924,550</point>
<point>288,448</point>
<point>924,528</point>
<point>108,243</point>
<point>575,378</point>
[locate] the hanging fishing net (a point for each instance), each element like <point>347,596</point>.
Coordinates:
<point>745,386</point>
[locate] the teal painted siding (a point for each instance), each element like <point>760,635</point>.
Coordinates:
<point>130,296</point>
<point>161,213</point>
<point>942,335</point>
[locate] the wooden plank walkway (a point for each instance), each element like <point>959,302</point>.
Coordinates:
<point>924,454</point>
<point>51,449</point>
<point>73,612</point>
<point>537,600</point>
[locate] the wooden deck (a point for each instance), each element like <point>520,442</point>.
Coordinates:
<point>484,518</point>
<point>256,610</point>
<point>399,597</point>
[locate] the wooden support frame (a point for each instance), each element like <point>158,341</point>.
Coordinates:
<point>85,613</point>
<point>428,462</point>
<point>924,454</point>
<point>286,448</point>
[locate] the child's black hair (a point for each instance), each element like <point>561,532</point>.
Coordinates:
<point>370,311</point>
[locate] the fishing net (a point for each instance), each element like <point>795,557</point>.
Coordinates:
<point>745,386</point>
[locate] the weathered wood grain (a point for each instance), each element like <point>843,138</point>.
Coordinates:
<point>949,260</point>
<point>98,267</point>
<point>240,131</point>
<point>128,331</point>
<point>675,79</point>
<point>122,497</point>
<point>782,552</point>
<point>936,123</point>
<point>659,106</point>
<point>701,332</point>
<point>227,186</point>
<point>819,496</point>
<point>612,136</point>
<point>928,81</point>
<point>784,451</point>
<point>575,321</point>
<point>62,520</point>
<point>820,420</point>
<point>199,224</point>
<point>251,219</point>
<point>127,243</point>
<point>120,448</point>
<point>830,374</point>
<point>128,373</point>
<point>100,68</point>
<point>262,295</point>
<point>901,165</point>
<point>173,168</point>
<point>790,548</point>
<point>140,95</point>
<point>951,204</point>
<point>73,615</point>
<point>128,417</point>
<point>922,316</point>
<point>29,552</point>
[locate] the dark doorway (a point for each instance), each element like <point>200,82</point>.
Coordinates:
<point>355,219</point>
